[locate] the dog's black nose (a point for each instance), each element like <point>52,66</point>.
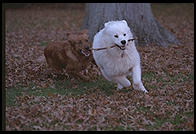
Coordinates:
<point>123,42</point>
<point>87,48</point>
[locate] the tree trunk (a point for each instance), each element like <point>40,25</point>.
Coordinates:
<point>138,16</point>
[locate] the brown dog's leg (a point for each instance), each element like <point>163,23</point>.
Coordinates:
<point>74,72</point>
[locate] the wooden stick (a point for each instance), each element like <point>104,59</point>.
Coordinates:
<point>97,49</point>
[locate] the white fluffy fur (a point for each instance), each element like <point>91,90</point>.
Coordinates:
<point>114,63</point>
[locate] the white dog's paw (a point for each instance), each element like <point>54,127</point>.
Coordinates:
<point>119,87</point>
<point>140,86</point>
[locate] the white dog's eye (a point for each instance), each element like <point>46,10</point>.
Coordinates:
<point>124,34</point>
<point>116,36</point>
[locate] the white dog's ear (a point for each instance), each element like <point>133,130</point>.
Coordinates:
<point>124,21</point>
<point>107,23</point>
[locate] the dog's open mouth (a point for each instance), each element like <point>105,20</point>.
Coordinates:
<point>123,47</point>
<point>85,52</point>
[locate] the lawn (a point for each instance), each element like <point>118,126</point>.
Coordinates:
<point>38,100</point>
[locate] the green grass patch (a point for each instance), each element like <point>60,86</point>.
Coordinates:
<point>62,87</point>
<point>157,123</point>
<point>116,128</point>
<point>170,103</point>
<point>119,128</point>
<point>65,87</point>
<point>190,77</point>
<point>11,95</point>
<point>144,109</point>
<point>93,128</point>
<point>177,120</point>
<point>148,76</point>
<point>189,114</point>
<point>105,86</point>
<point>43,43</point>
<point>165,79</point>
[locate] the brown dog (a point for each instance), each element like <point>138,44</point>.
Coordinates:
<point>71,55</point>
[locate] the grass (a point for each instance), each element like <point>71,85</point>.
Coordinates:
<point>66,87</point>
<point>142,108</point>
<point>11,95</point>
<point>63,87</point>
<point>177,120</point>
<point>170,103</point>
<point>167,78</point>
<point>119,128</point>
<point>157,123</point>
<point>43,43</point>
<point>189,114</point>
<point>148,76</point>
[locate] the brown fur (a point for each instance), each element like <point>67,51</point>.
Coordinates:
<point>67,55</point>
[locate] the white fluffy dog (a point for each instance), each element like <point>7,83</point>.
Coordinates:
<point>121,61</point>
